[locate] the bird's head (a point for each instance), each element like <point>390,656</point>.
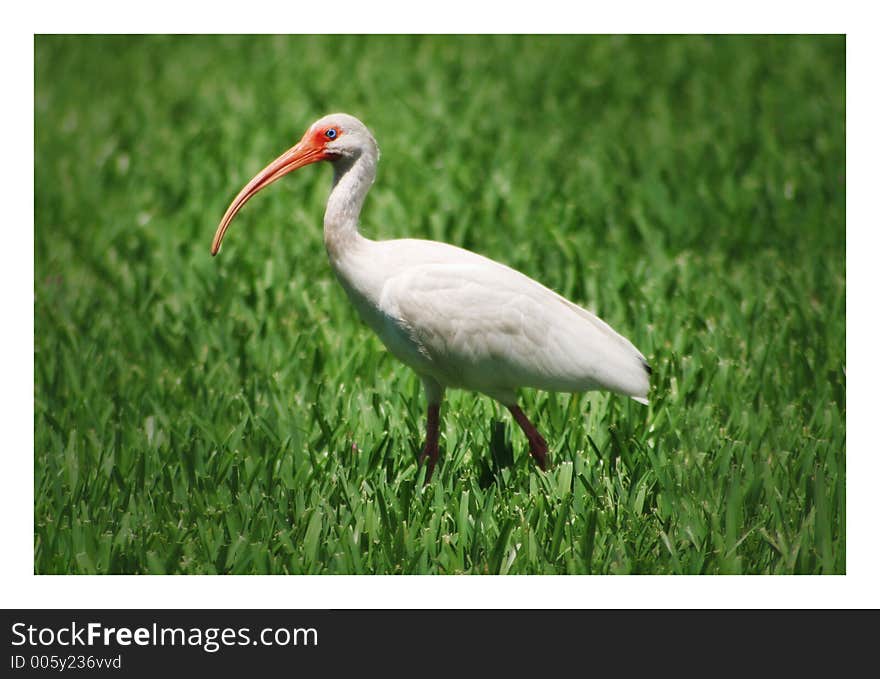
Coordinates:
<point>335,137</point>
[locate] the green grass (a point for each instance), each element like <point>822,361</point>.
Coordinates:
<point>231,415</point>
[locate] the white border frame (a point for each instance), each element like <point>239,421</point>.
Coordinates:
<point>21,589</point>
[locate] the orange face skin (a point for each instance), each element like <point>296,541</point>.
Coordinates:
<point>319,136</point>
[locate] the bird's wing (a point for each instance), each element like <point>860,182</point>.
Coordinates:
<point>485,326</point>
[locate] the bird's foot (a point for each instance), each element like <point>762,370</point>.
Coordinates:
<point>537,444</point>
<point>430,455</point>
<point>538,449</point>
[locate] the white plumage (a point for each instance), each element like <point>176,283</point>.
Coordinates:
<point>458,319</point>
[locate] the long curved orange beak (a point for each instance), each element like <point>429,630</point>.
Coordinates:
<point>304,153</point>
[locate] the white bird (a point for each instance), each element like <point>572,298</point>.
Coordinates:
<point>458,319</point>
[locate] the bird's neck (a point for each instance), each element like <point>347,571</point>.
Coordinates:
<point>352,178</point>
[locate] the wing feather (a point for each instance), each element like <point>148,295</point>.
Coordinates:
<point>481,325</point>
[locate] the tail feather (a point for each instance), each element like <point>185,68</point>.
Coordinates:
<point>649,371</point>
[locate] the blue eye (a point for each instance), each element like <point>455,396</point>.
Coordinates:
<point>330,134</point>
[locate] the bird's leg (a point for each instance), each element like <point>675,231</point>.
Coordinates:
<point>537,444</point>
<point>431,451</point>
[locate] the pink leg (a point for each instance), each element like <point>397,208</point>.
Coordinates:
<point>431,451</point>
<point>537,444</point>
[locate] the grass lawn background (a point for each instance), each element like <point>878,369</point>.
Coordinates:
<point>232,415</point>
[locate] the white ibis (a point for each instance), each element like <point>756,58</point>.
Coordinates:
<point>458,319</point>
